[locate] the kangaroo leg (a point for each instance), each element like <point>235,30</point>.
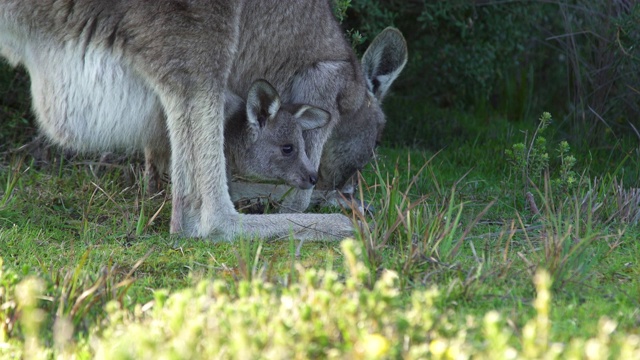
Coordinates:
<point>188,74</point>
<point>156,163</point>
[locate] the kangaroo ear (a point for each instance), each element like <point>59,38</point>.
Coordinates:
<point>384,60</point>
<point>310,117</point>
<point>263,103</point>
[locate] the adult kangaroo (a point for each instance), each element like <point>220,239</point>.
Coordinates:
<point>104,71</point>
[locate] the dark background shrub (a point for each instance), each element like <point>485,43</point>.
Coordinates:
<point>576,58</point>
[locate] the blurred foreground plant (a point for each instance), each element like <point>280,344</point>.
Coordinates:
<point>321,316</point>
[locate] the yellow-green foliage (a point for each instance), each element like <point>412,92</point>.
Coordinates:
<point>321,316</point>
<point>532,160</point>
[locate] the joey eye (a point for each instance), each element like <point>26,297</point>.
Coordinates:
<point>287,149</point>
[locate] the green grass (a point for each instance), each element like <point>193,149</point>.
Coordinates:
<point>451,215</point>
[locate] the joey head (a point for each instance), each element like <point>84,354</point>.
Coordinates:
<point>265,139</point>
<point>262,139</point>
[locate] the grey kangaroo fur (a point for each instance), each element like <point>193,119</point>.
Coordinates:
<point>352,142</point>
<point>103,72</point>
<point>262,139</point>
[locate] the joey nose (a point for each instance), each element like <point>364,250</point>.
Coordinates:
<point>313,179</point>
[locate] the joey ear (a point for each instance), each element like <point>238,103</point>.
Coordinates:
<point>383,61</point>
<point>263,102</point>
<point>233,104</point>
<point>310,117</point>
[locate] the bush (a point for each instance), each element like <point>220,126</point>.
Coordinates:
<point>573,56</point>
<point>464,50</point>
<point>600,41</point>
